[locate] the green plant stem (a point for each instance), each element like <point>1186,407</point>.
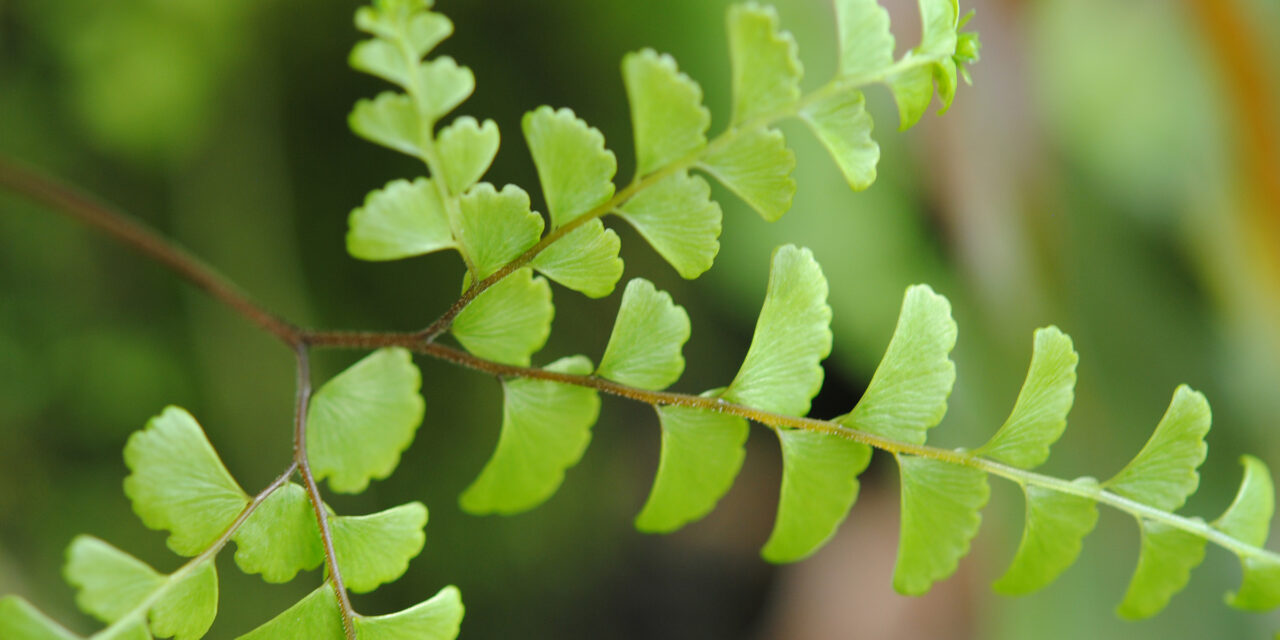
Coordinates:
<point>139,613</point>
<point>300,461</point>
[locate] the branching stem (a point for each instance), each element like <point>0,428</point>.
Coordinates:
<point>89,210</point>
<point>313,490</point>
<point>138,615</point>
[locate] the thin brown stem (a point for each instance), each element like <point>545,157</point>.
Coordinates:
<point>313,491</point>
<point>76,203</point>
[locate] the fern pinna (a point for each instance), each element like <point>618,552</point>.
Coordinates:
<point>353,429</point>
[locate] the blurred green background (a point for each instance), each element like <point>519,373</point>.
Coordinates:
<point>1115,171</point>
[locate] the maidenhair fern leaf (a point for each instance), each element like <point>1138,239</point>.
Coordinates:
<point>383,59</point>
<point>178,483</point>
<point>363,418</point>
<point>187,609</point>
<point>913,88</point>
<point>400,220</point>
<point>766,64</point>
<point>667,115</point>
<point>390,120</point>
<point>466,150</point>
<point>574,167</point>
<point>819,485</point>
<point>315,617</point>
<point>644,349</point>
<point>782,371</point>
<point>496,226</point>
<point>509,321</point>
<point>866,44</point>
<point>19,620</point>
<point>1056,524</point>
<point>1164,566</point>
<point>701,455</point>
<point>1164,473</point>
<point>1040,414</point>
<point>843,125</point>
<point>443,84</point>
<point>281,537</point>
<point>376,549</point>
<point>436,619</point>
<point>1248,520</point>
<point>128,631</point>
<point>545,430</point>
<point>756,165</point>
<point>585,259</point>
<point>110,583</point>
<point>408,22</point>
<point>678,217</point>
<point>940,515</point>
<point>908,392</point>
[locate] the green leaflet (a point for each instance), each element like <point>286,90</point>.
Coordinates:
<point>442,85</point>
<point>410,22</point>
<point>678,217</point>
<point>545,429</point>
<point>509,321</point>
<point>819,485</point>
<point>436,619</point>
<point>496,226</point>
<point>376,548</point>
<point>178,483</point>
<point>940,516</point>
<point>701,454</point>
<point>113,584</point>
<point>389,120</point>
<point>585,259</point>
<point>187,610</point>
<point>1056,524</point>
<point>281,537</point>
<point>1163,473</point>
<point>644,349</point>
<point>1248,520</point>
<point>913,88</point>
<point>315,617</point>
<point>843,125</point>
<point>382,59</point>
<point>110,583</point>
<point>667,115</point>
<point>782,371</point>
<point>21,621</point>
<point>908,392</point>
<point>756,165</point>
<point>1260,589</point>
<point>574,168</point>
<point>362,419</point>
<point>939,19</point>
<point>1040,414</point>
<point>130,631</point>
<point>466,150</point>
<point>766,64</point>
<point>400,220</point>
<point>1164,566</point>
<point>866,45</point>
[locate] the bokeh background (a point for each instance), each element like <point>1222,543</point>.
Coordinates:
<point>1115,171</point>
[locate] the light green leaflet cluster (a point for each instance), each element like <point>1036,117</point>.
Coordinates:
<point>358,424</point>
<point>501,239</point>
<point>546,426</point>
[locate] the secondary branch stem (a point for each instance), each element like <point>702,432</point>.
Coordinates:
<point>313,491</point>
